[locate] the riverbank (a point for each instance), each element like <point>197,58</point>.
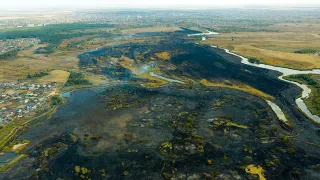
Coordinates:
<point>287,72</point>
<point>21,126</point>
<point>279,49</point>
<point>312,81</point>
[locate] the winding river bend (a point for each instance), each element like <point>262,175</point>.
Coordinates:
<point>306,91</point>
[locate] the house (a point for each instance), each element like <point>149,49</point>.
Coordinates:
<point>29,106</point>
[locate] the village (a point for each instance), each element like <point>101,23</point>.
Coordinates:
<point>19,100</point>
<point>17,44</point>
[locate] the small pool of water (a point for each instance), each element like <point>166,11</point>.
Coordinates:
<point>7,157</point>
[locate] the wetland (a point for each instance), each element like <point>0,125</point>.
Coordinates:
<point>179,110</point>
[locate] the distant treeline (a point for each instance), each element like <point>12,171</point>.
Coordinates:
<point>53,34</point>
<point>9,55</point>
<point>306,51</point>
<point>230,29</point>
<point>36,75</point>
<point>77,78</point>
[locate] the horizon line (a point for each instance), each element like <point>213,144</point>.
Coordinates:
<point>163,7</point>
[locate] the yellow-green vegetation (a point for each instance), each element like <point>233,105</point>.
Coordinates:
<point>247,149</point>
<point>313,101</point>
<point>163,55</point>
<point>16,147</point>
<point>252,169</point>
<point>129,64</point>
<point>126,173</point>
<point>153,82</point>
<point>229,124</point>
<point>103,172</point>
<point>275,48</point>
<point>166,147</point>
<point>238,86</point>
<point>8,131</point>
<point>82,172</point>
<point>13,162</point>
<point>150,29</point>
<point>73,137</point>
<point>218,104</point>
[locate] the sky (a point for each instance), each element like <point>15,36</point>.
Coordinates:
<point>15,4</point>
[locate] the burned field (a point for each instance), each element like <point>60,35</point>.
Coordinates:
<point>148,128</point>
<point>168,132</point>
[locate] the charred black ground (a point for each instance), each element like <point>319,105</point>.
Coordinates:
<point>172,132</point>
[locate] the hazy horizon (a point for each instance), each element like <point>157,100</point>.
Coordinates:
<point>38,4</point>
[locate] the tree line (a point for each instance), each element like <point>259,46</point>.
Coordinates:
<point>9,55</point>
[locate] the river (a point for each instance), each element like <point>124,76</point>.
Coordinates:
<point>306,91</point>
<point>204,34</point>
<point>164,78</point>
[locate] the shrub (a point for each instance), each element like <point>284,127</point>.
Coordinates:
<point>8,55</point>
<point>56,100</point>
<point>40,74</point>
<point>254,60</point>
<point>77,78</point>
<point>306,51</point>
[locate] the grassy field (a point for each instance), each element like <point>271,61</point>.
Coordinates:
<point>12,70</point>
<point>163,55</point>
<point>275,48</point>
<point>98,80</point>
<point>58,76</point>
<point>237,86</point>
